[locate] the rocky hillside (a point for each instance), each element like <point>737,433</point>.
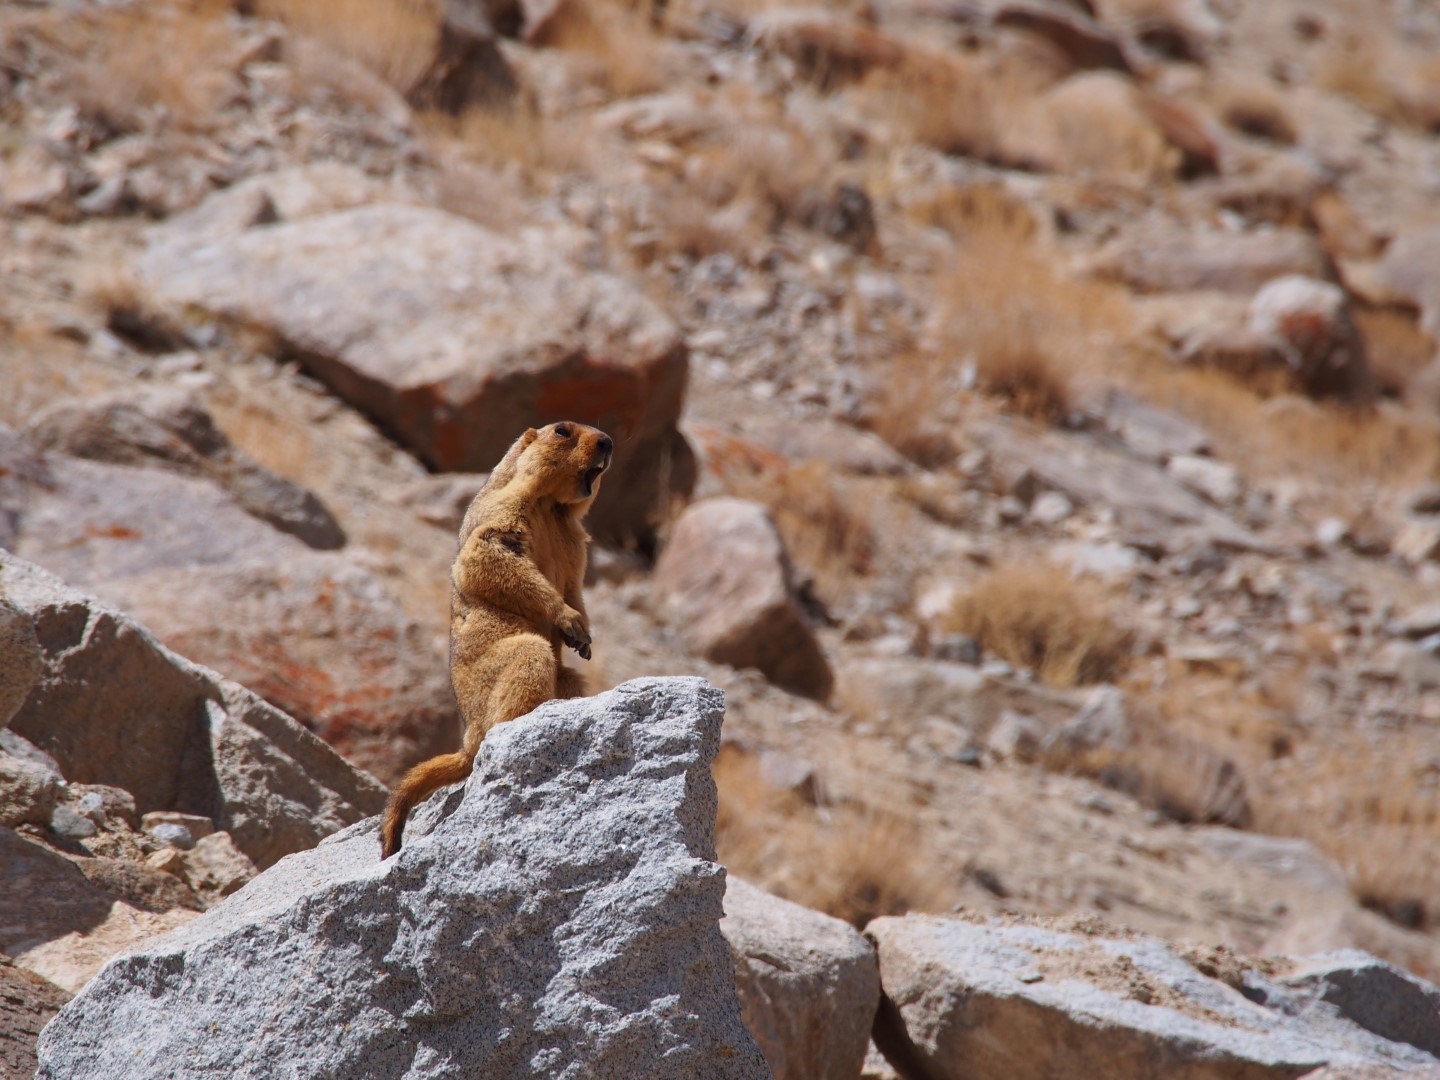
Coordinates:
<point>1027,412</point>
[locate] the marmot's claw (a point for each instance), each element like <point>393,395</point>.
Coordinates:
<point>584,651</point>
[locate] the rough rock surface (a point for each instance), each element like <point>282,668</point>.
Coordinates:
<point>557,916</point>
<point>20,660</point>
<point>317,636</point>
<point>1224,262</point>
<point>809,984</point>
<point>27,1001</point>
<point>979,999</point>
<point>451,337</point>
<point>315,633</point>
<point>724,579</point>
<point>168,428</point>
<point>194,742</point>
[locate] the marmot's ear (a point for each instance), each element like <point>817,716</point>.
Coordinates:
<point>530,436</point>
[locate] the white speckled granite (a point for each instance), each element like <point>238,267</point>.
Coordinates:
<point>555,917</point>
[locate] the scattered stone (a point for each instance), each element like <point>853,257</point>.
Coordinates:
<point>558,914</point>
<point>1311,322</point>
<point>1082,40</point>
<point>1418,622</point>
<point>196,743</point>
<point>175,836</point>
<point>725,582</point>
<point>1051,508</point>
<point>1015,737</point>
<point>1222,261</point>
<point>1424,500</point>
<point>69,822</point>
<point>195,824</point>
<point>111,808</point>
<point>29,791</point>
<point>214,867</point>
<point>1218,482</point>
<point>808,984</point>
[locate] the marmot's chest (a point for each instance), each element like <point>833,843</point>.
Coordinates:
<point>555,552</point>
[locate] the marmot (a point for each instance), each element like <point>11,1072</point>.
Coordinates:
<point>514,597</point>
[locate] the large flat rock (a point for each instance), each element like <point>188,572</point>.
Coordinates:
<point>451,337</point>
<point>977,999</point>
<point>557,916</point>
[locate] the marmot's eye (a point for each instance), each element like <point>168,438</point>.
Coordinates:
<point>562,431</point>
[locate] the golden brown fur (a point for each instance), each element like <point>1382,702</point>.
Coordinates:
<point>515,597</point>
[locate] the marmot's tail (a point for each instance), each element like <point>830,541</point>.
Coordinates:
<point>419,782</point>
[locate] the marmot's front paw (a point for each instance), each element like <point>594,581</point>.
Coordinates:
<point>575,630</point>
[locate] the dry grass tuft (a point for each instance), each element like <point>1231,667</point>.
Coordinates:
<point>396,39</point>
<point>853,862</point>
<point>1346,450</point>
<point>626,55</point>
<point>518,140</point>
<point>159,62</point>
<point>827,534</point>
<point>1037,616</point>
<point>1027,326</point>
<point>944,102</point>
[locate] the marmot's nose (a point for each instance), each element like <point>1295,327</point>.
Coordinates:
<point>606,444</point>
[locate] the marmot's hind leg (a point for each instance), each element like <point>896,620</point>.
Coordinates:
<point>526,679</point>
<point>570,683</point>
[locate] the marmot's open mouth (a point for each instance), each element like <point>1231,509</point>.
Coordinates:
<point>590,475</point>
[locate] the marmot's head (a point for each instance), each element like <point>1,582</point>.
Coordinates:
<point>565,461</point>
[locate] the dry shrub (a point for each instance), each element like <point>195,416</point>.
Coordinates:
<point>975,209</point>
<point>907,410</point>
<point>1370,803</point>
<point>945,102</point>
<point>628,56</point>
<point>1037,616</point>
<point>826,533</point>
<point>854,862</point>
<point>1338,447</point>
<point>1396,347</point>
<point>136,63</point>
<point>396,39</point>
<point>517,139</point>
<point>764,161</point>
<point>1026,326</point>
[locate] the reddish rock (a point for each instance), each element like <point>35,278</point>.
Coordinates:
<point>451,337</point>
<point>27,1002</point>
<point>1310,322</point>
<point>320,638</point>
<point>724,580</point>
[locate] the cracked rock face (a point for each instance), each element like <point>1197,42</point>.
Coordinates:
<point>557,916</point>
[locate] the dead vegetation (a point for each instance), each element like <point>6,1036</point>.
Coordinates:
<point>159,65</point>
<point>394,38</point>
<point>1037,616</point>
<point>848,860</point>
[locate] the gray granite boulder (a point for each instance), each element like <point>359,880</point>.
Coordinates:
<point>809,984</point>
<point>978,998</point>
<point>113,706</point>
<point>556,916</point>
